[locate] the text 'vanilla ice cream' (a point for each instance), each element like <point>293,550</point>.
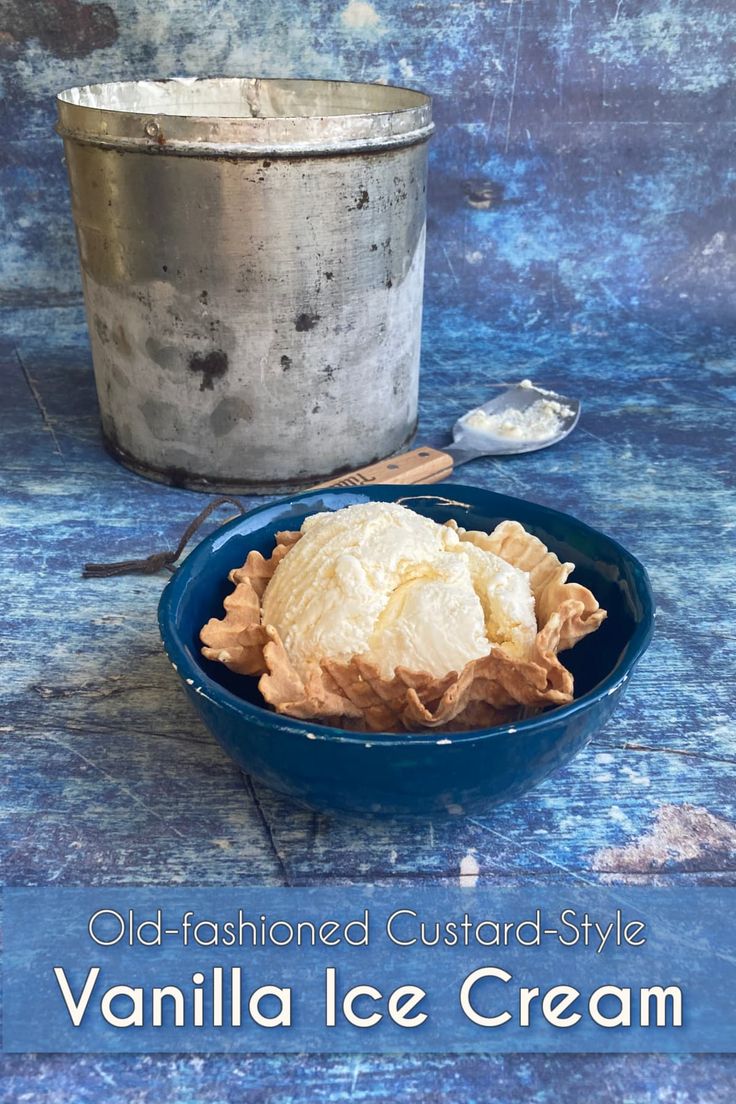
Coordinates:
<point>382,582</point>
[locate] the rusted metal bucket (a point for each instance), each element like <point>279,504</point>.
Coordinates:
<point>252,255</point>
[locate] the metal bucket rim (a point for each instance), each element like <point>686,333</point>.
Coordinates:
<point>64,97</point>
<point>153,129</point>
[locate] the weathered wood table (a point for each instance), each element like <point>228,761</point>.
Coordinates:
<point>111,779</point>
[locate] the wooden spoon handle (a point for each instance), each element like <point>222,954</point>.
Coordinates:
<point>421,465</point>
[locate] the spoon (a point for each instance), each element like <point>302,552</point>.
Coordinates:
<point>500,427</point>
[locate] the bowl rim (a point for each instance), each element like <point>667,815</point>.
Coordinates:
<point>208,688</point>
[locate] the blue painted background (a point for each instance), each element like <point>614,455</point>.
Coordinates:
<point>583,165</point>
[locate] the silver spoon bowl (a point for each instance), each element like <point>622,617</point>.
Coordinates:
<point>497,428</point>
<point>503,426</point>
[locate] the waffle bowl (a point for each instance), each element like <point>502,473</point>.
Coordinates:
<point>491,690</point>
<point>425,771</point>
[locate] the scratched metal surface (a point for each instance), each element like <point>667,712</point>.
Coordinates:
<point>581,232</point>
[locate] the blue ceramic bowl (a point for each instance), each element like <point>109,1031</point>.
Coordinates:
<point>427,772</point>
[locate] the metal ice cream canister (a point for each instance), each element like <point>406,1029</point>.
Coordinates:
<point>252,256</point>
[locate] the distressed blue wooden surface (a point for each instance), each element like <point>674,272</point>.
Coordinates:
<point>581,232</point>
<point>373,1079</point>
<point>113,780</point>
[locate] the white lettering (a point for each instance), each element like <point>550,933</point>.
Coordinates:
<point>91,927</point>
<point>399,1012</point>
<point>556,1001</point>
<point>134,995</point>
<point>351,1015</point>
<point>467,988</point>
<point>660,995</point>
<point>282,1018</point>
<point>622,1018</point>
<point>157,999</point>
<point>390,928</point>
<point>330,999</point>
<point>526,996</point>
<point>76,1009</point>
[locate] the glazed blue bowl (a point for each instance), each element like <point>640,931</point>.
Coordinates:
<point>420,773</point>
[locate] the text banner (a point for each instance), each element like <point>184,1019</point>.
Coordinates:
<point>341,969</point>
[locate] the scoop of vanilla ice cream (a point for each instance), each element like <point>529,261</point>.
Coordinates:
<point>382,582</point>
